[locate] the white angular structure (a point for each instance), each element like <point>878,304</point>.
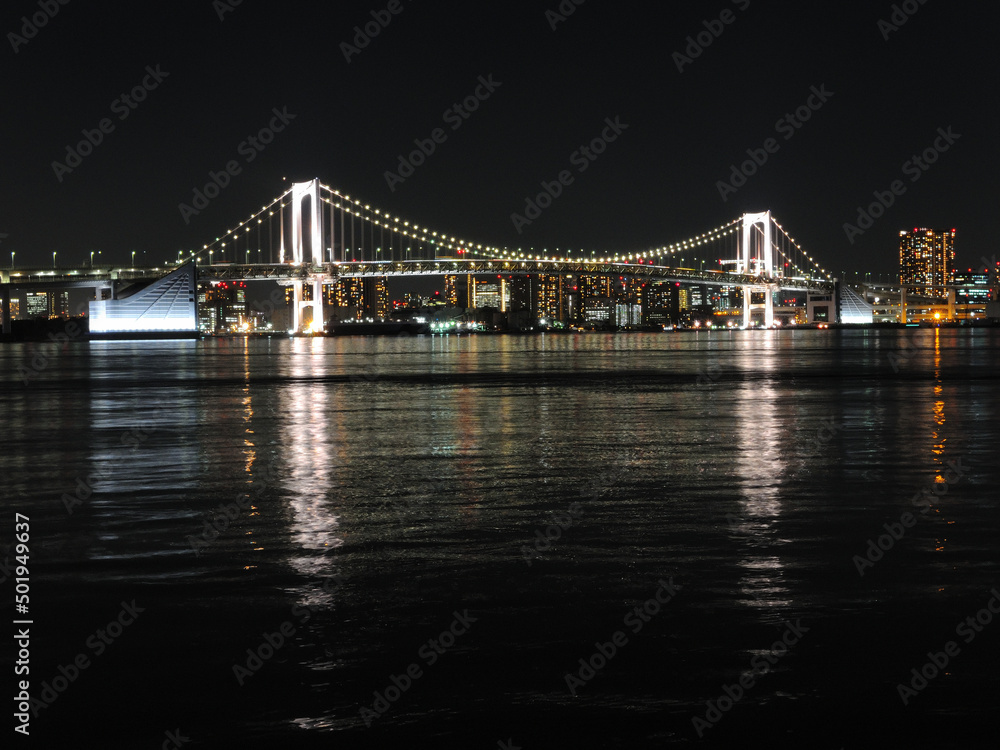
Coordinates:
<point>854,309</point>
<point>167,308</point>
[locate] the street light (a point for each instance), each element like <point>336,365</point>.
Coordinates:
<point>53,260</point>
<point>11,258</point>
<point>133,259</point>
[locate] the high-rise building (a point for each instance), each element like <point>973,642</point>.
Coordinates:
<point>595,286</point>
<point>927,260</point>
<point>684,299</point>
<point>36,305</point>
<point>973,288</point>
<point>451,290</point>
<point>548,297</point>
<point>659,301</point>
<point>349,293</point>
<point>58,304</point>
<point>15,309</point>
<point>376,293</point>
<point>222,308</point>
<point>359,298</point>
<point>490,293</point>
<point>520,293</point>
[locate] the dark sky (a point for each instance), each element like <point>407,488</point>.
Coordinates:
<point>655,184</point>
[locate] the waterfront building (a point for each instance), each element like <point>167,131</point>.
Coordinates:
<point>927,260</point>
<point>36,305</point>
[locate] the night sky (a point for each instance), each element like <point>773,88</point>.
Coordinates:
<point>220,78</point>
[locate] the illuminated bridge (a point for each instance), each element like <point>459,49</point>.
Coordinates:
<point>313,235</point>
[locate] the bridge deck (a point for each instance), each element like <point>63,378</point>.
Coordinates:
<point>40,278</point>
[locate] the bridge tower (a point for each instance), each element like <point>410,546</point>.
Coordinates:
<point>763,266</point>
<point>301,192</point>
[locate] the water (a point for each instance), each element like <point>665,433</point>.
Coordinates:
<point>382,492</point>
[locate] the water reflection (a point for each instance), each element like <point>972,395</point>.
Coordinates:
<point>759,465</point>
<point>309,463</point>
<point>937,433</point>
<point>142,453</point>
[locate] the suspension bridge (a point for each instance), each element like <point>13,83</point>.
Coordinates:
<point>313,235</point>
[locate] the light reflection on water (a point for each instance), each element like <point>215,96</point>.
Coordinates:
<point>413,470</point>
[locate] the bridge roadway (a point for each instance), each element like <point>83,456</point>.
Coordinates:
<point>104,276</point>
<point>450,267</point>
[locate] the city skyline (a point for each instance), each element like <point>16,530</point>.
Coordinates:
<point>658,135</point>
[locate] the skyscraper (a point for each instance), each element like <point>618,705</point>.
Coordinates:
<point>59,304</point>
<point>359,298</point>
<point>548,297</point>
<point>36,305</point>
<point>451,290</point>
<point>927,260</point>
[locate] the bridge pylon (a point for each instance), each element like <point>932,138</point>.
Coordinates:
<point>306,252</point>
<point>301,191</point>
<point>762,266</point>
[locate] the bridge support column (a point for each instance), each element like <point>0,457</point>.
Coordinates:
<point>318,324</point>
<point>768,307</point>
<point>297,296</point>
<point>6,310</point>
<point>746,306</point>
<point>902,305</point>
<point>951,304</point>
<point>300,303</point>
